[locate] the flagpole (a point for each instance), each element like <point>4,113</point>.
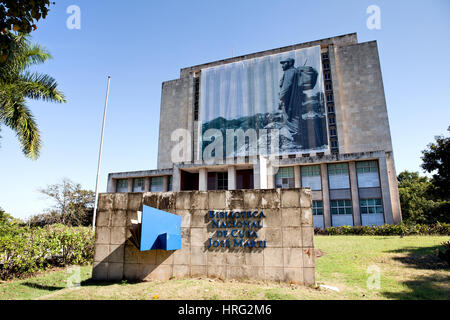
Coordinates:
<point>100,155</point>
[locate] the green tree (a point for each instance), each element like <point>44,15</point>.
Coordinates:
<point>414,197</point>
<point>73,205</point>
<point>18,84</point>
<point>6,218</point>
<point>416,200</point>
<point>436,160</point>
<point>20,16</point>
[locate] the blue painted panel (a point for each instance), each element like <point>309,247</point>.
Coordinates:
<point>160,230</point>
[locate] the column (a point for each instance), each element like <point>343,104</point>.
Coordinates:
<point>385,191</point>
<point>130,185</point>
<point>176,179</point>
<point>263,172</point>
<point>355,194</point>
<point>203,179</point>
<point>325,195</point>
<point>147,184</point>
<point>112,185</point>
<point>165,183</point>
<point>256,178</point>
<point>231,178</point>
<point>271,177</point>
<point>393,183</point>
<point>297,177</point>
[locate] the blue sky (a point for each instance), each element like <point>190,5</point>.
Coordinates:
<point>143,43</point>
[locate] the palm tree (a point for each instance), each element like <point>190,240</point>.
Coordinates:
<point>18,84</point>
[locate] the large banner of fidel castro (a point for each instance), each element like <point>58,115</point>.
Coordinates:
<point>282,92</point>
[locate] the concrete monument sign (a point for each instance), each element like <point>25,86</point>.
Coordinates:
<point>233,234</point>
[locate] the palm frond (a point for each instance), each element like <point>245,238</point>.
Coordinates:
<point>18,117</point>
<point>36,54</point>
<point>23,54</point>
<point>40,86</point>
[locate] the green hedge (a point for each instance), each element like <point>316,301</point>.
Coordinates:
<point>388,230</point>
<point>25,250</point>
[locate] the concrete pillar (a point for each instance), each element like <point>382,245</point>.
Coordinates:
<point>256,178</point>
<point>146,184</point>
<point>325,195</point>
<point>130,185</point>
<point>271,176</point>
<point>263,172</point>
<point>231,178</point>
<point>203,179</point>
<point>176,179</point>
<point>166,183</point>
<point>355,194</point>
<point>112,185</point>
<point>385,191</point>
<point>393,184</point>
<point>297,177</point>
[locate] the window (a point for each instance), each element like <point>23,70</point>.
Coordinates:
<point>371,206</point>
<point>156,184</point>
<point>138,185</point>
<point>328,87</point>
<point>332,120</point>
<point>122,185</point>
<point>285,178</point>
<point>366,166</point>
<point>222,181</point>
<point>367,173</point>
<point>338,168</point>
<point>333,132</point>
<point>326,66</point>
<point>334,144</point>
<point>327,75</point>
<point>196,96</point>
<point>341,207</point>
<point>329,98</point>
<point>311,177</point>
<point>317,208</point>
<point>338,177</point>
<point>308,171</point>
<point>325,55</point>
<point>330,108</point>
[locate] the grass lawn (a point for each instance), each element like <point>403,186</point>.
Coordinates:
<point>407,268</point>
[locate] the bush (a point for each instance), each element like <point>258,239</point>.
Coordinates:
<point>25,250</point>
<point>388,230</point>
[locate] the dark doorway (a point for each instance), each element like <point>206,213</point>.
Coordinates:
<point>211,181</point>
<point>244,179</point>
<point>189,181</point>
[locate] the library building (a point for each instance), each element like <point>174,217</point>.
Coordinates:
<point>309,115</point>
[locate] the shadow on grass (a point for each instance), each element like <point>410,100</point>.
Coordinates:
<point>41,287</point>
<point>421,258</point>
<point>431,287</point>
<point>103,283</point>
<point>435,287</point>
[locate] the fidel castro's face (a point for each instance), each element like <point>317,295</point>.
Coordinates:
<point>286,65</point>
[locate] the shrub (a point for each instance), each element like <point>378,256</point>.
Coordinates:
<point>388,230</point>
<point>25,250</point>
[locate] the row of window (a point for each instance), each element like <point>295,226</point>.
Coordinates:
<point>342,207</point>
<point>156,184</point>
<point>330,103</point>
<point>338,176</point>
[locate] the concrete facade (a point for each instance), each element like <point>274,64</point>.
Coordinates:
<point>288,254</point>
<point>362,134</point>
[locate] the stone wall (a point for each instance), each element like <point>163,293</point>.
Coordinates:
<point>361,112</point>
<point>287,229</point>
<point>175,113</point>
